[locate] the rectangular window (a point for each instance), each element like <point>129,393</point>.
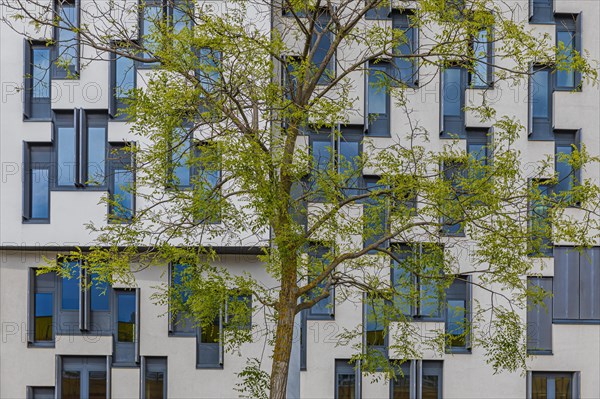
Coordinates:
<point>481,76</point>
<point>82,377</point>
<point>553,385</point>
<point>239,311</point>
<point>458,306</point>
<point>540,104</point>
<point>540,225</point>
<point>209,346</point>
<point>180,149</point>
<point>568,42</point>
<point>208,72</point>
<point>374,325</point>
<point>206,180</point>
<point>416,292</point>
<point>36,81</point>
<point>539,318</point>
<point>152,16</point>
<point>42,306</point>
<point>70,286</point>
<point>123,79</point>
<point>347,385</point>
<point>377,121</point>
<point>418,379</point>
<point>452,210</point>
<point>36,183</point>
<point>181,14</point>
<point>567,176</point>
<point>318,261</point>
<point>405,70</point>
<point>478,149</point>
<point>576,285</point>
<point>180,323</point>
<point>541,11</point>
<point>374,213</point>
<point>66,50</point>
<point>154,378</point>
<point>321,41</point>
<point>121,184</point>
<point>126,331</point>
<point>452,104</point>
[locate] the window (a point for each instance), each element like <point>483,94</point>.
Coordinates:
<point>41,320</point>
<point>347,381</point>
<point>322,38</point>
<point>82,377</point>
<point>416,287</point>
<point>576,285</point>
<point>206,181</point>
<point>406,67</point>
<point>36,81</point>
<point>123,79</point>
<point>303,339</point>
<point>121,181</point>
<point>452,210</point>
<point>568,41</point>
<point>374,213</point>
<point>80,146</point>
<point>567,176</point>
<point>154,377</point>
<point>40,393</point>
<point>540,225</point>
<point>126,332</point>
<point>552,385</point>
<point>36,183</point>
<point>377,121</point>
<point>418,379</point>
<point>382,11</point>
<point>341,153</point>
<point>374,325</point>
<point>151,17</point>
<point>318,261</point>
<point>208,72</point>
<point>541,11</point>
<point>66,37</point>
<point>539,318</point>
<point>458,308</point>
<point>180,323</point>
<point>209,348</point>
<point>452,115</point>
<point>239,311</point>
<point>481,76</point>
<point>540,104</point>
<point>478,149</point>
<point>180,147</point>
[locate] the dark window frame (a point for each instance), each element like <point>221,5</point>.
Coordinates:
<point>457,122</point>
<point>370,183</point>
<point>573,375</point>
<point>343,367</point>
<point>329,313</point>
<point>153,364</point>
<point>487,81</point>
<point>570,23</point>
<point>83,365</point>
<point>28,161</point>
<point>416,370</point>
<point>322,21</point>
<point>59,73</point>
<point>563,138</point>
<point>36,109</point>
<point>540,128</point>
<point>120,160</point>
<point>378,124</point>
<point>544,14</point>
<point>383,12</point>
<point>39,392</point>
<point>116,104</point>
<point>539,319</point>
<point>403,21</point>
<point>546,242</point>
<point>131,349</point>
<point>453,294</point>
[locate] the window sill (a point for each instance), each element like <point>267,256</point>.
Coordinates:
<point>209,367</point>
<point>458,351</point>
<point>182,335</point>
<point>320,317</point>
<point>36,221</point>
<point>575,321</point>
<point>41,345</point>
<point>130,365</point>
<point>568,89</point>
<point>540,352</point>
<point>36,119</point>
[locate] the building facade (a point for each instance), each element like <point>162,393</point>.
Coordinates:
<point>58,140</point>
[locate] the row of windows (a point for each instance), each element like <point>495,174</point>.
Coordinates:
<point>81,304</point>
<point>89,377</point>
<point>573,296</point>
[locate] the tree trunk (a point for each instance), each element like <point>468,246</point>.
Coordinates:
<point>284,336</point>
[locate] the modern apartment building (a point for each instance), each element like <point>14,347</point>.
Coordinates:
<point>59,145</point>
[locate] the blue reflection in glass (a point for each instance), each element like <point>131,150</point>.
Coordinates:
<point>541,94</point>
<point>70,287</point>
<point>323,46</point>
<point>377,91</point>
<point>126,316</point>
<point>208,73</point>
<point>405,65</point>
<point>321,154</point>
<point>564,170</point>
<point>66,156</point>
<point>123,180</point>
<point>96,155</point>
<point>403,283</point>
<point>180,155</point>
<point>44,312</point>
<point>480,69</point>
<point>67,39</point>
<point>125,77</point>
<point>348,163</point>
<point>99,294</point>
<point>40,194</point>
<point>456,317</point>
<point>179,279</point>
<point>566,78</point>
<point>41,73</point>
<point>452,92</point>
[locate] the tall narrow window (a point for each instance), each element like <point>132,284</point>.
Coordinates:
<point>209,346</point>
<point>36,81</point>
<point>540,104</point>
<point>180,151</point>
<point>121,206</point>
<point>321,48</point>
<point>401,386</point>
<point>481,76</point>
<point>65,141</point>
<point>82,377</point>
<point>208,73</point>
<point>154,378</point>
<point>430,385</point>
<point>566,174</point>
<point>123,79</point>
<point>239,311</point>
<point>382,11</point>
<point>378,100</point>
<point>452,116</point>
<point>374,213</point>
<point>94,136</point>
<point>180,322</point>
<point>478,151</point>
<point>417,379</point>
<point>452,212</point>
<point>181,14</point>
<point>376,337</point>
<point>541,11</point>
<point>346,384</point>
<point>540,225</point>
<point>318,261</point>
<point>206,180</point>
<point>126,331</point>
<point>457,315</point>
<point>539,317</point>
<point>67,39</point>
<point>152,16</point>
<point>36,190</point>
<point>408,43</point>
<point>42,291</point>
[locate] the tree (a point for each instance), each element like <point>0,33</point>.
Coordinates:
<point>224,125</point>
